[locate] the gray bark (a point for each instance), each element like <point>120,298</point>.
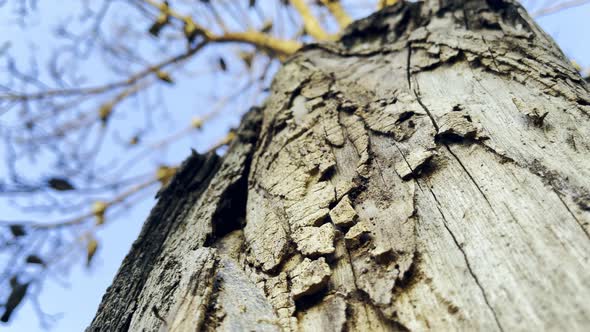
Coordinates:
<point>429,171</point>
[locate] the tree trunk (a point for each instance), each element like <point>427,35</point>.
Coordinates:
<point>429,171</point>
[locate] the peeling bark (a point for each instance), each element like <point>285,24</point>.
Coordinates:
<point>429,171</point>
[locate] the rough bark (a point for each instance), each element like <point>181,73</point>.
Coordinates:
<point>429,171</point>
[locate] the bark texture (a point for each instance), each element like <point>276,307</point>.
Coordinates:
<point>429,171</point>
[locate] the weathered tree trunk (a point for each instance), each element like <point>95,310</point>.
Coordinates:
<point>430,171</point>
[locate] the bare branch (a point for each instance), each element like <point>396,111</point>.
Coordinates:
<point>335,8</point>
<point>559,7</point>
<point>311,24</point>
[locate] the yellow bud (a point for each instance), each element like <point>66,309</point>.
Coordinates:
<point>98,209</point>
<point>99,220</point>
<point>385,3</point>
<point>190,29</point>
<point>197,123</point>
<point>229,137</point>
<point>266,27</point>
<point>576,66</point>
<point>105,112</point>
<point>165,173</point>
<point>91,247</point>
<point>164,76</point>
<point>247,57</point>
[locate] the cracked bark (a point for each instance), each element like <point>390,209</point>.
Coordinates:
<point>429,171</point>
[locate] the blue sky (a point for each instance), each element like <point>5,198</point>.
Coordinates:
<point>77,296</point>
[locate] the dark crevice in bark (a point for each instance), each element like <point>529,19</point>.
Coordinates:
<point>126,323</point>
<point>230,212</point>
<point>465,20</point>
<point>292,97</point>
<point>307,301</point>
<point>469,268</point>
<point>367,35</point>
<point>416,90</point>
<point>470,177</point>
<point>171,289</point>
<point>212,316</point>
<point>408,68</point>
<point>411,275</point>
<point>417,94</point>
<point>158,316</point>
